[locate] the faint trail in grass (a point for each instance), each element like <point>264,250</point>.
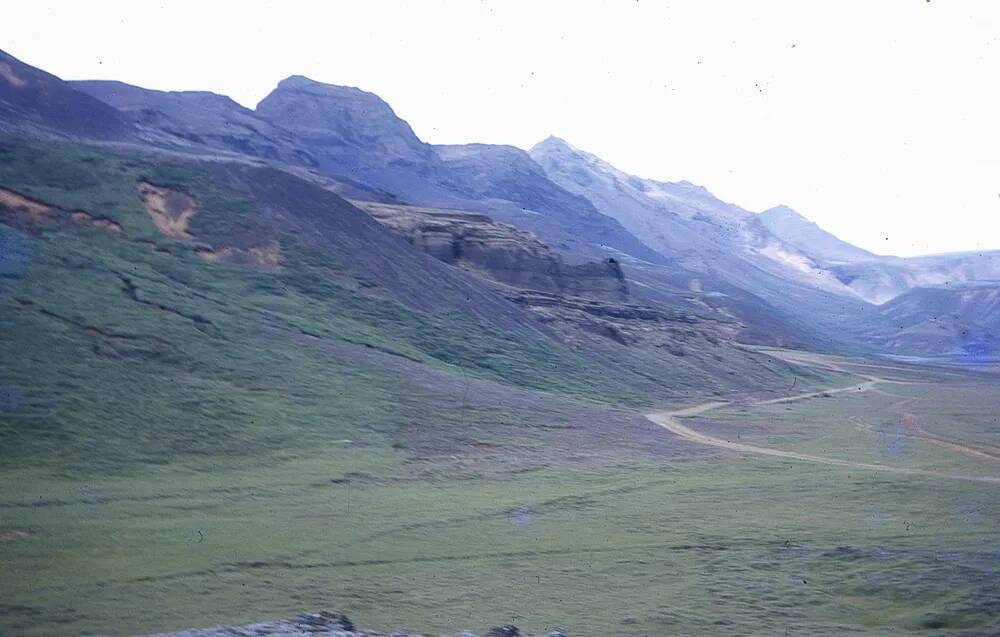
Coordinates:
<point>234,567</point>
<point>576,500</point>
<point>911,423</point>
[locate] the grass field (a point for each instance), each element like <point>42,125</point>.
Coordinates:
<point>699,543</point>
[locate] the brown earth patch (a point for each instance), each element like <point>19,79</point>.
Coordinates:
<point>33,212</point>
<point>81,216</point>
<point>25,209</point>
<point>170,210</point>
<point>8,74</point>
<point>267,255</point>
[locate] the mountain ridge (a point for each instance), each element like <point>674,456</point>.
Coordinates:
<point>679,242</point>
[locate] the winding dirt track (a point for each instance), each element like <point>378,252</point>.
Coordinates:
<point>670,420</point>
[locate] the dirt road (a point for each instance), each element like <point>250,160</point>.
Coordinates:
<point>670,420</point>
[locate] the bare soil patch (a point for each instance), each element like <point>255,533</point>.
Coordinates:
<point>170,210</point>
<point>25,209</point>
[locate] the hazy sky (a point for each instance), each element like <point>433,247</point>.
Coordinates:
<point>878,120</point>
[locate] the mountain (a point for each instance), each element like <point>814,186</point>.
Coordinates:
<point>682,220</point>
<point>200,117</point>
<point>355,130</point>
<point>957,322</point>
<point>356,138</point>
<point>355,133</point>
<point>807,237</point>
<point>880,279</point>
<point>206,123</point>
<point>506,183</point>
<point>719,246</point>
<point>778,276</point>
<point>33,100</point>
<point>938,305</point>
<point>885,278</point>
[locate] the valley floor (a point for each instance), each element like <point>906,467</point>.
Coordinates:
<point>670,420</point>
<point>867,508</point>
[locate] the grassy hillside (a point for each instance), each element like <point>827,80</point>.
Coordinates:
<point>123,344</point>
<point>283,383</point>
<point>128,346</point>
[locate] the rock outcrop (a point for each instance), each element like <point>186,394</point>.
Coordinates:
<point>321,624</point>
<point>499,251</point>
<point>669,329</point>
<point>578,301</point>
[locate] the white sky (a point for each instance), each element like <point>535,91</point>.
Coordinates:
<point>878,120</point>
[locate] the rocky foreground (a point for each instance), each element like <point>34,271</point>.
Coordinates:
<point>322,624</point>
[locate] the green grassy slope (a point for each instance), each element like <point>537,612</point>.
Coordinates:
<point>117,353</point>
<point>185,442</point>
<point>131,344</point>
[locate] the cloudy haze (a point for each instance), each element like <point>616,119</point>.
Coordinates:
<point>876,120</point>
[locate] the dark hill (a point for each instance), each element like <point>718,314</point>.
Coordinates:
<point>34,100</point>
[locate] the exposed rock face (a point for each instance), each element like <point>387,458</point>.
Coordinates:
<point>499,251</point>
<point>321,624</point>
<point>628,324</point>
<point>579,302</point>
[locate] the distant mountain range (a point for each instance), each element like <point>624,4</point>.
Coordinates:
<point>780,277</point>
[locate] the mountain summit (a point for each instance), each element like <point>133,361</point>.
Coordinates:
<point>353,126</point>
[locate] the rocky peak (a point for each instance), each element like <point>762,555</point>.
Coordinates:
<point>553,151</point>
<point>342,115</point>
<point>553,144</point>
